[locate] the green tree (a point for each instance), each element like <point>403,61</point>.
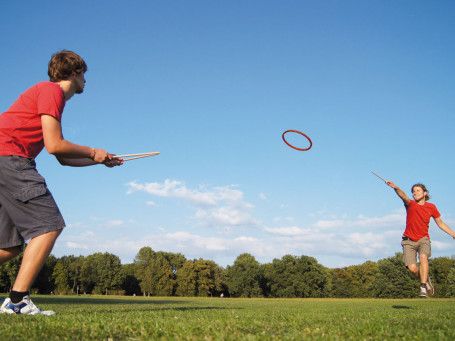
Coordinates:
<point>393,280</point>
<point>353,281</point>
<point>219,279</point>
<point>244,277</point>
<point>11,269</point>
<point>451,281</point>
<point>100,272</point>
<point>439,271</point>
<point>205,282</point>
<point>61,278</point>
<point>294,276</point>
<point>130,283</point>
<point>162,275</point>
<point>186,280</point>
<point>44,282</point>
<point>157,271</point>
<point>143,269</point>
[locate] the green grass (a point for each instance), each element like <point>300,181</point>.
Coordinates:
<point>140,318</point>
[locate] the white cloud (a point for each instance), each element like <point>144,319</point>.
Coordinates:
<point>396,219</point>
<point>115,223</point>
<point>336,241</point>
<point>72,245</point>
<point>217,206</point>
<point>287,231</point>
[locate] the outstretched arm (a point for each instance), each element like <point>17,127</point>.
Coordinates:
<point>400,193</point>
<point>443,226</point>
<point>71,154</point>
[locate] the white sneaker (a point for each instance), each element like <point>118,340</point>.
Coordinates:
<point>25,307</point>
<point>430,287</point>
<point>423,292</point>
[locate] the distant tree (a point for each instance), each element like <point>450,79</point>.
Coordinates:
<point>44,282</point>
<point>186,280</point>
<point>393,280</point>
<point>205,282</point>
<point>11,269</point>
<point>219,279</point>
<point>451,281</point>
<point>143,269</point>
<point>439,271</point>
<point>61,279</point>
<point>294,276</point>
<point>4,279</point>
<point>130,283</point>
<point>157,271</point>
<point>340,283</point>
<point>100,272</point>
<point>353,281</point>
<point>162,275</point>
<point>244,277</point>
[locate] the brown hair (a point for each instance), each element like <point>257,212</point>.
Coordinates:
<point>422,186</point>
<point>63,64</point>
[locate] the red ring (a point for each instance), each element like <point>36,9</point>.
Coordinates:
<point>298,132</point>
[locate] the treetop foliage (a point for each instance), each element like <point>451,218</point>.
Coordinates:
<point>157,273</point>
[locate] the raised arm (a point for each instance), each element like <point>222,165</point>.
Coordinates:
<point>71,154</point>
<point>443,226</point>
<point>400,193</point>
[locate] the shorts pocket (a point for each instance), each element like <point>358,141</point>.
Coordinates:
<point>30,192</point>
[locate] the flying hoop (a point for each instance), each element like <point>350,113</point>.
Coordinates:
<point>298,132</point>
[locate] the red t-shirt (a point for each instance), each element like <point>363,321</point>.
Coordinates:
<point>418,219</point>
<point>21,131</point>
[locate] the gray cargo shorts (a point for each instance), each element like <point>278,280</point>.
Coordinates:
<point>27,208</point>
<point>411,248</point>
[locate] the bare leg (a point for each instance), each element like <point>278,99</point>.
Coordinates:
<point>35,256</point>
<point>9,253</point>
<point>414,269</point>
<point>424,268</point>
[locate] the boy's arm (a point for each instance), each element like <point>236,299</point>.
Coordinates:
<point>400,193</point>
<point>69,153</point>
<point>443,226</point>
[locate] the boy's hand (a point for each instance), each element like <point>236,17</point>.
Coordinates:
<point>391,184</point>
<point>113,162</point>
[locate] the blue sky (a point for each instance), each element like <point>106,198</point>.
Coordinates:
<point>212,85</point>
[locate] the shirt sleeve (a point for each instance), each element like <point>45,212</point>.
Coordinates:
<point>51,101</point>
<point>436,213</point>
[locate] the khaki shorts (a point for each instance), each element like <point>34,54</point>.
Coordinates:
<point>411,248</point>
<point>27,208</point>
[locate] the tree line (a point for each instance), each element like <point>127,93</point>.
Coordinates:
<point>157,273</point>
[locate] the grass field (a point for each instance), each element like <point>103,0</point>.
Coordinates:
<point>141,318</point>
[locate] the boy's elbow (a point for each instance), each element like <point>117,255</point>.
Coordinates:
<point>51,149</point>
<point>62,161</point>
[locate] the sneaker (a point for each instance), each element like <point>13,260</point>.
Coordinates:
<point>423,292</point>
<point>430,287</point>
<point>25,307</point>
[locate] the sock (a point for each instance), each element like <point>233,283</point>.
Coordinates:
<point>17,296</point>
<point>423,285</point>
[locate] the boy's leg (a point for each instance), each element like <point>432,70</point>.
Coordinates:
<point>414,269</point>
<point>9,253</point>
<point>34,258</point>
<point>424,268</point>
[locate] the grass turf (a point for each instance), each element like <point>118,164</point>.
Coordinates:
<point>141,318</point>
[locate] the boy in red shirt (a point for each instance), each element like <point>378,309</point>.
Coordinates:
<point>415,237</point>
<point>27,208</point>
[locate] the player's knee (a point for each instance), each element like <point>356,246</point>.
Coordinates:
<point>423,257</point>
<point>413,268</point>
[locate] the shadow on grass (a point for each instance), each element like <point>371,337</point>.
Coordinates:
<point>400,307</point>
<point>100,300</point>
<point>179,309</point>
